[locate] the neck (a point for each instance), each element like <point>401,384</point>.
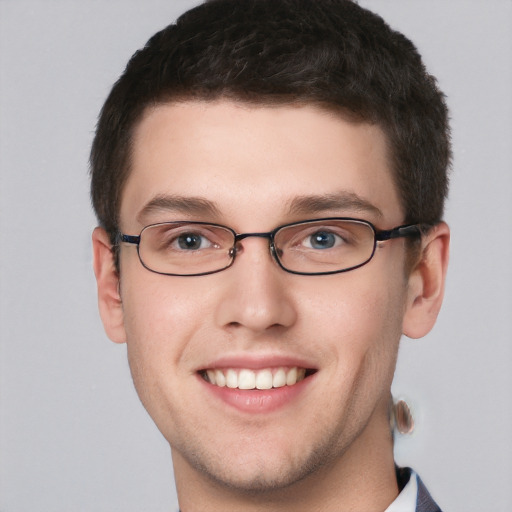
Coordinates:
<point>363,478</point>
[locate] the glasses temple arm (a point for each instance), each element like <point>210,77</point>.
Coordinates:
<point>129,239</point>
<point>409,230</point>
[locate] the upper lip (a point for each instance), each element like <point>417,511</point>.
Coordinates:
<point>258,362</point>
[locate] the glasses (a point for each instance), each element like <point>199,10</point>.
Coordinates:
<point>311,247</point>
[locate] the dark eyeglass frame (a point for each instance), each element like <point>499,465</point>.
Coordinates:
<point>379,235</point>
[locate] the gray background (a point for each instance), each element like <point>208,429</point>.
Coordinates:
<point>73,436</point>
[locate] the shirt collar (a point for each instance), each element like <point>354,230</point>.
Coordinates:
<point>406,500</point>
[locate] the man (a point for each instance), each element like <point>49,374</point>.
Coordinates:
<point>269,179</point>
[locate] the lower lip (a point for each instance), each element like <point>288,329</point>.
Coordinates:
<point>258,401</point>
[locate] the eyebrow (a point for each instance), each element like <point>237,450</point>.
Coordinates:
<point>178,204</point>
<point>302,205</point>
<point>328,202</point>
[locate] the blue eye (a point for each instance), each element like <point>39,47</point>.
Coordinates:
<point>190,241</point>
<point>322,240</point>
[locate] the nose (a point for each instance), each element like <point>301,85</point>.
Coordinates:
<point>254,292</point>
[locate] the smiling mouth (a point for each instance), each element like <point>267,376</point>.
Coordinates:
<point>246,379</point>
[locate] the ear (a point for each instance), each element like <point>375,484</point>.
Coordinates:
<point>426,283</point>
<point>107,279</point>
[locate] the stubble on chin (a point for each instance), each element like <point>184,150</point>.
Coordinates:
<point>263,479</point>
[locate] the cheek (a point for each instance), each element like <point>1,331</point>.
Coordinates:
<point>356,323</point>
<point>161,316</point>
<point>161,320</point>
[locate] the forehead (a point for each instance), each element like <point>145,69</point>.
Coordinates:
<point>238,159</point>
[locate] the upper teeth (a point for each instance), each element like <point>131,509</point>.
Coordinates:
<point>261,379</point>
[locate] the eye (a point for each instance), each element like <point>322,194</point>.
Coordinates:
<point>183,241</point>
<point>322,240</point>
<point>191,242</point>
<point>184,238</point>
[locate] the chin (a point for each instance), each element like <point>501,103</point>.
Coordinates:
<point>259,481</point>
<point>260,475</point>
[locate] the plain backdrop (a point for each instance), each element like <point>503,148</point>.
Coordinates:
<point>73,435</point>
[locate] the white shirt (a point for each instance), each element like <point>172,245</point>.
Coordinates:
<point>406,500</point>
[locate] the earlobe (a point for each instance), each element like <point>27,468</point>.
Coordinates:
<point>426,283</point>
<point>107,279</point>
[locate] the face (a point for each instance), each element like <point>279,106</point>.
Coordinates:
<point>253,169</point>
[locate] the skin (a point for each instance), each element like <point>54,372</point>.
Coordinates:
<point>328,448</point>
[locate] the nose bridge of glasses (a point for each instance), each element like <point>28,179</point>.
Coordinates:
<point>241,236</point>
